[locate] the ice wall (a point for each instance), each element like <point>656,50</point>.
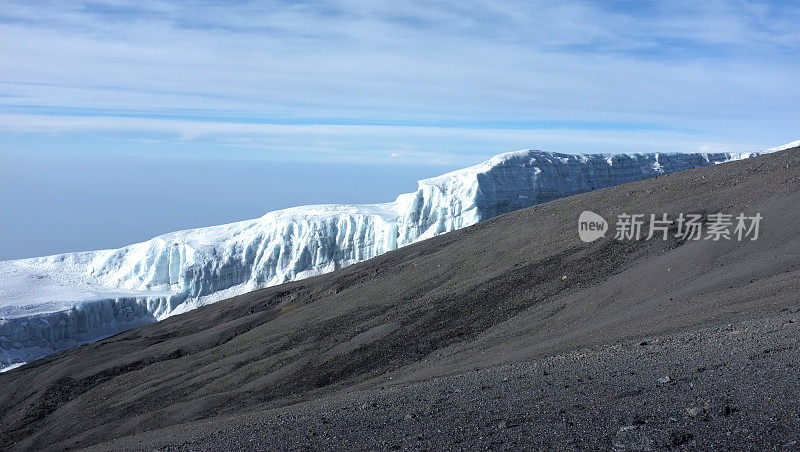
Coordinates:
<point>56,302</point>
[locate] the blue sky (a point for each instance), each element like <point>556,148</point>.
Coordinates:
<point>415,88</point>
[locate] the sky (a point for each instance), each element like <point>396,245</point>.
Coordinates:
<point>122,120</point>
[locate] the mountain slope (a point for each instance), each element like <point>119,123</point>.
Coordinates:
<point>57,302</point>
<point>516,288</point>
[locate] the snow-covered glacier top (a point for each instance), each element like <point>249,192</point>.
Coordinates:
<point>55,302</point>
<point>783,147</point>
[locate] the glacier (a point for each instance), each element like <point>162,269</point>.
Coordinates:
<point>56,302</point>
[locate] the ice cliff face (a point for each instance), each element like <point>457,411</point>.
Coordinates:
<point>56,302</point>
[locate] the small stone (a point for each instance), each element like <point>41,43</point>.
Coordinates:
<point>664,379</point>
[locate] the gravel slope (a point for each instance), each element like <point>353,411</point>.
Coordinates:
<point>521,288</point>
<point>733,387</point>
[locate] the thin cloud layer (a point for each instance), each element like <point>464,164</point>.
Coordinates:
<point>368,80</point>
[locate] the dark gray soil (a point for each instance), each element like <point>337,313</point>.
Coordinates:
<point>733,387</point>
<point>384,353</point>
